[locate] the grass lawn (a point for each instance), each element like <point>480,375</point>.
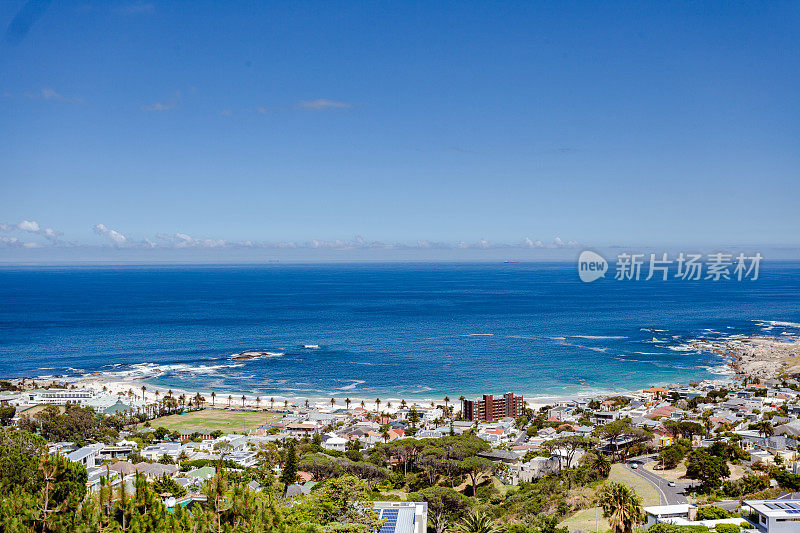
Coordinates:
<point>584,520</point>
<point>213,419</point>
<point>588,520</point>
<point>643,488</point>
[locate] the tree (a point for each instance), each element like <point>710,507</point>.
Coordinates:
<point>215,490</point>
<point>570,445</point>
<point>765,428</point>
<point>7,412</point>
<point>476,523</point>
<point>413,417</point>
<point>347,403</point>
<point>289,473</point>
<point>621,506</point>
<point>165,483</point>
<point>672,455</point>
<point>20,453</point>
<point>321,466</point>
<point>229,400</point>
<point>213,398</point>
<point>474,468</point>
<point>445,505</point>
<point>63,488</point>
<point>243,399</point>
<point>345,500</point>
<point>706,468</point>
<point>377,405</point>
<point>617,429</point>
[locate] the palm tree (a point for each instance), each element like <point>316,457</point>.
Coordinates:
<point>621,506</point>
<point>363,404</point>
<point>271,403</point>
<point>229,400</point>
<point>258,401</point>
<point>765,428</point>
<point>388,405</point>
<point>306,403</point>
<point>243,399</point>
<point>403,403</point>
<point>446,401</point>
<point>476,523</point>
<point>213,397</point>
<point>143,389</point>
<point>333,402</point>
<point>285,404</point>
<point>182,399</point>
<point>377,404</point>
<point>347,403</point>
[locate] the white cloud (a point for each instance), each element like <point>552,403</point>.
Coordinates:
<point>31,226</point>
<point>172,103</point>
<point>52,95</point>
<point>115,236</point>
<point>185,241</point>
<point>322,104</point>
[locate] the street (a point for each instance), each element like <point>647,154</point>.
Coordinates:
<point>669,495</point>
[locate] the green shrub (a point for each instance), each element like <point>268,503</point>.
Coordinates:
<point>711,512</point>
<point>727,528</point>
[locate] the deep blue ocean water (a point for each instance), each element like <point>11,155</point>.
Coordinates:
<point>385,330</point>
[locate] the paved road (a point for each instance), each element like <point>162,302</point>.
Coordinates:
<point>669,495</point>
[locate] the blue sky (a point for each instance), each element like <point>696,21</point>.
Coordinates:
<point>248,124</point>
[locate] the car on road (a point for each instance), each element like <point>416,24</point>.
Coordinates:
<point>634,466</point>
<point>658,467</point>
<point>671,483</point>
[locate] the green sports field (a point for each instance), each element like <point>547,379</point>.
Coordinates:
<point>213,419</point>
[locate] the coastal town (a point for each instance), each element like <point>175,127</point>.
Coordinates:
<point>711,455</point>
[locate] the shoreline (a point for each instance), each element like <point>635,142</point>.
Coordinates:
<point>762,357</point>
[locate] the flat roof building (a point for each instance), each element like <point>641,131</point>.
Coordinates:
<point>775,516</point>
<point>489,408</point>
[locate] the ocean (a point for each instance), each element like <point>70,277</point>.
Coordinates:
<point>383,330</point>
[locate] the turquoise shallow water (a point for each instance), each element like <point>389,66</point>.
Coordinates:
<point>387,330</point>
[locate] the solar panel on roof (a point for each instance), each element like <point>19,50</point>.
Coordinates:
<point>770,506</point>
<point>792,505</point>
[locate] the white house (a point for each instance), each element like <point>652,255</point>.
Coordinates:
<point>775,516</point>
<point>335,443</point>
<point>402,517</point>
<point>87,456</point>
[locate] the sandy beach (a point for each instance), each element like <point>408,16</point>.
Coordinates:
<point>762,357</point>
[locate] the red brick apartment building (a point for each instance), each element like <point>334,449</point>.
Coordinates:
<point>490,408</point>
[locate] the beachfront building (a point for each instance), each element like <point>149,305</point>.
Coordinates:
<point>62,396</point>
<point>489,408</point>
